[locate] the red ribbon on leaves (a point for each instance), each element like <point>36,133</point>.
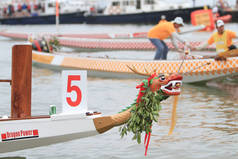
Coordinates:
<point>147,136</point>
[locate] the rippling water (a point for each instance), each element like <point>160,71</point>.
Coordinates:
<point>207,114</point>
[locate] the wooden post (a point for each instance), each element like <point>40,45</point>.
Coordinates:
<point>21,81</point>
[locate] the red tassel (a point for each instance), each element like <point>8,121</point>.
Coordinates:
<point>147,144</point>
<point>145,139</point>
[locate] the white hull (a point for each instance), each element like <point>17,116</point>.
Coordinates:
<point>22,131</point>
<point>58,128</point>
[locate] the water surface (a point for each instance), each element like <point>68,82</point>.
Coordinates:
<point>207,114</point>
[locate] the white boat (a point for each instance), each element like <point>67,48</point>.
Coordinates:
<point>83,11</point>
<point>140,6</point>
<point>137,11</point>
<point>23,131</point>
<point>22,134</point>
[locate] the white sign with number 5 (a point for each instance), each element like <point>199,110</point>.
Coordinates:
<point>74,92</point>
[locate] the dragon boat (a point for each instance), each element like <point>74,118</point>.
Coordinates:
<point>101,41</point>
<point>123,35</point>
<point>193,70</point>
<point>119,44</point>
<point>25,36</point>
<point>21,131</point>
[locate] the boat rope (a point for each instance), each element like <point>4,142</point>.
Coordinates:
<point>207,63</point>
<point>186,52</point>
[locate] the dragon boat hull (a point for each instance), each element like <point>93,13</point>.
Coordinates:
<point>95,42</point>
<point>118,44</point>
<point>29,133</point>
<point>196,70</point>
<point>20,134</point>
<point>21,130</point>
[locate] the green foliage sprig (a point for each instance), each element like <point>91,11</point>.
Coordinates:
<point>143,114</point>
<point>54,43</point>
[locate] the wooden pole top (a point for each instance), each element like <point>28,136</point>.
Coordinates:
<point>21,81</point>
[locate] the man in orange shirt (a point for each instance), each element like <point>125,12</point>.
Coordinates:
<point>222,38</point>
<point>162,31</point>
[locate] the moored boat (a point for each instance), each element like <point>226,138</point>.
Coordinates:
<point>42,12</point>
<point>16,36</point>
<point>20,130</point>
<point>122,35</point>
<point>120,44</point>
<point>140,18</point>
<point>138,12</point>
<point>65,18</point>
<point>104,44</point>
<point>115,12</point>
<point>18,134</point>
<point>195,70</point>
<point>23,131</point>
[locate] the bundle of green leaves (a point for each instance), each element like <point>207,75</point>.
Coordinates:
<point>143,113</point>
<point>54,43</point>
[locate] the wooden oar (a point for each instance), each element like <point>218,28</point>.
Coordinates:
<point>192,29</point>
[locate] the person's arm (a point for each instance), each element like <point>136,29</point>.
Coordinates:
<point>202,46</point>
<point>174,43</point>
<point>231,34</point>
<point>235,40</point>
<point>206,44</point>
<point>176,36</point>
